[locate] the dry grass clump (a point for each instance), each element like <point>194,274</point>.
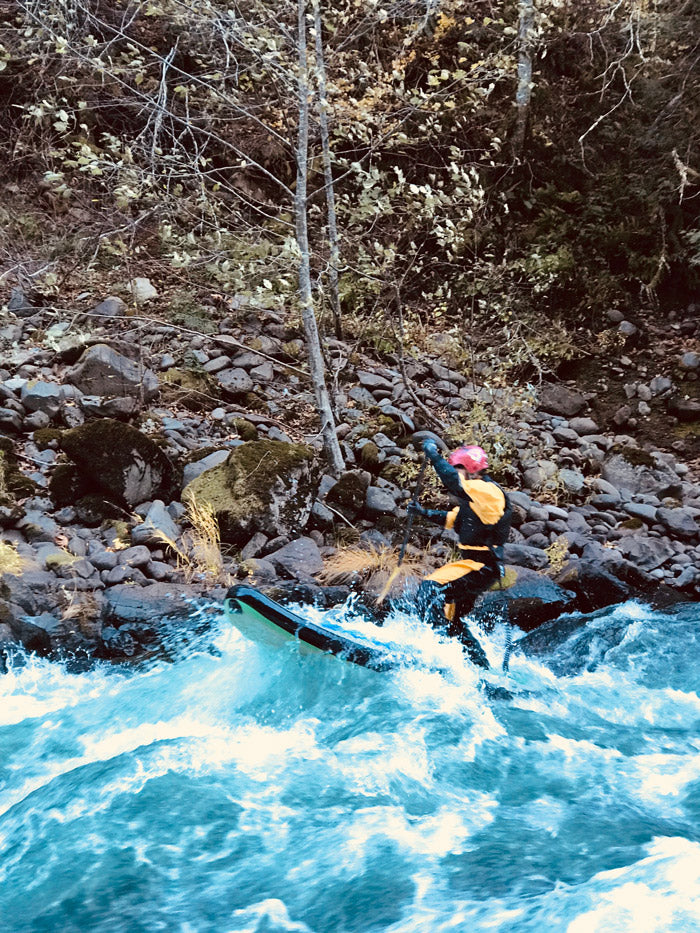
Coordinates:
<point>10,559</point>
<point>199,554</point>
<point>372,568</point>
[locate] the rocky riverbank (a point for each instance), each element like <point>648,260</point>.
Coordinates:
<point>116,426</point>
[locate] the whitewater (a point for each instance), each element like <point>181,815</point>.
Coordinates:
<point>244,788</point>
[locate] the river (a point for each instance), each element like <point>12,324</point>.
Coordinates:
<point>249,789</point>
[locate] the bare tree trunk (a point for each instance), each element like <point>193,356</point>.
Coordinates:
<point>333,238</point>
<point>313,344</point>
<point>526,16</point>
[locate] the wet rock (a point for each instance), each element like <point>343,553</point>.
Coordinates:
<point>265,486</point>
<point>592,585</point>
<point>298,560</point>
<point>125,464</point>
<point>527,599</point>
<point>104,372</point>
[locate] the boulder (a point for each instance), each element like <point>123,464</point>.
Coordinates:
<point>298,560</point>
<point>524,556</point>
<point>103,371</point>
<point>646,553</point>
<point>526,600</point>
<point>265,486</point>
<point>557,399</point>
<point>634,470</point>
<point>592,585</point>
<point>349,494</point>
<point>679,522</point>
<point>193,470</point>
<point>124,464</point>
<point>379,502</point>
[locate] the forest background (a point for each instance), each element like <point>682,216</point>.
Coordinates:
<point>486,179</point>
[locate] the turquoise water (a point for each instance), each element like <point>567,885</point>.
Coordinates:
<point>246,787</point>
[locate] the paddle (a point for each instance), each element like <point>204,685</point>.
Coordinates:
<point>407,533</point>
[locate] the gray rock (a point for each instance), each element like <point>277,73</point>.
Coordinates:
<point>625,475</point>
<point>234,382</point>
<point>10,419</point>
<point>689,576</point>
<point>123,573</point>
<point>103,371</point>
<point>41,396</point>
<point>104,560</point>
<point>659,385</point>
<point>137,556</point>
<point>119,407</point>
<point>379,502</point>
<point>647,513</point>
<point>646,553</point>
<point>524,556</point>
<point>627,329</point>
<point>19,304</point>
<point>142,290</point>
<point>265,372</point>
<point>216,365</point>
<point>321,516</point>
<point>573,480</point>
<point>193,470</point>
<point>679,522</point>
<point>362,396</point>
<point>37,526</point>
<point>373,380</point>
<point>559,399</point>
<point>583,426</point>
<point>254,546</point>
<point>300,559</point>
<point>690,361</point>
<point>159,570</point>
<point>156,603</point>
<point>36,421</point>
<point>110,307</point>
<point>156,525</point>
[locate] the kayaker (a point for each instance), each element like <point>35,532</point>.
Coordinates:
<point>481,520</point>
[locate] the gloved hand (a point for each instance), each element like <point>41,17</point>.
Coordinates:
<point>430,448</point>
<point>415,508</point>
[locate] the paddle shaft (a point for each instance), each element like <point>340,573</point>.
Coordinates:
<point>409,522</point>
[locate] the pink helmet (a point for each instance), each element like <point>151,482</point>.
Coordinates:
<point>472,458</point>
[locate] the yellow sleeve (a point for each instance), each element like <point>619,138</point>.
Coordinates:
<point>451,518</point>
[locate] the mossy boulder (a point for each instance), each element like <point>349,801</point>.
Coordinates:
<point>348,495</point>
<point>122,463</point>
<point>265,486</point>
<point>67,485</point>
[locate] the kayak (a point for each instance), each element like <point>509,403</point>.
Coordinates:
<point>261,619</point>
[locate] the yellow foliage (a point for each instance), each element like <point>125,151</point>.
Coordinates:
<point>10,560</point>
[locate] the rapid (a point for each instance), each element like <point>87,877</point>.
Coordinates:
<point>243,788</point>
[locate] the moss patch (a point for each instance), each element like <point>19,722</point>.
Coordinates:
<point>246,430</point>
<point>66,485</point>
<point>126,465</point>
<point>634,455</point>
<point>263,485</point>
<point>44,438</point>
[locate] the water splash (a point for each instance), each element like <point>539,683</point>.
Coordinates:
<point>246,788</point>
